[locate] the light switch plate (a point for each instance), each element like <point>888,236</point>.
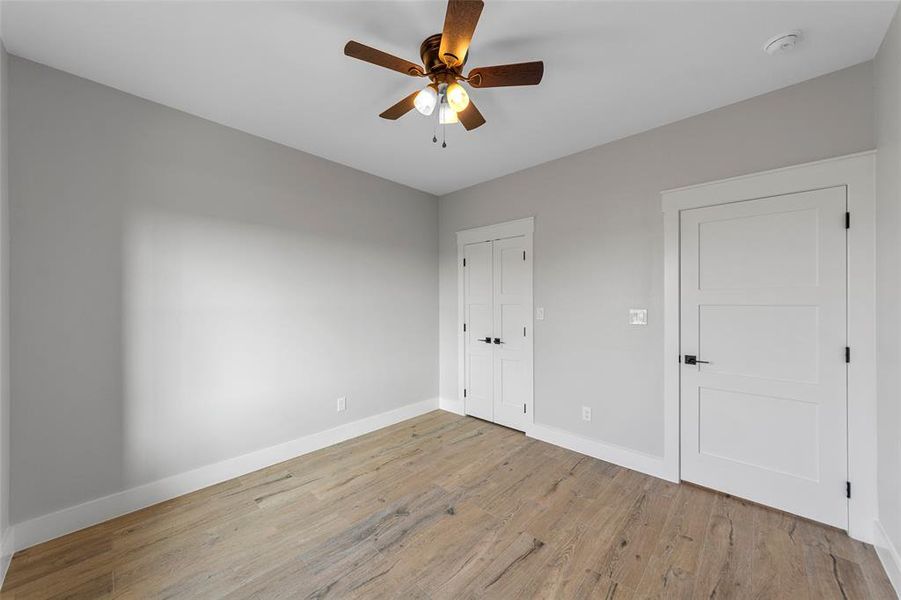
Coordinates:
<point>539,313</point>
<point>342,403</point>
<point>638,316</point>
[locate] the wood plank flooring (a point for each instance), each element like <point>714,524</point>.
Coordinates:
<point>443,506</point>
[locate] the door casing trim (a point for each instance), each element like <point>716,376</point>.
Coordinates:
<point>857,172</point>
<point>508,229</point>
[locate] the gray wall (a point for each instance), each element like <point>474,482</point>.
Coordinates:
<point>599,244</point>
<point>5,549</point>
<point>183,293</point>
<point>888,279</point>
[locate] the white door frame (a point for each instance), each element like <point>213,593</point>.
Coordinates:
<point>857,172</point>
<point>520,227</point>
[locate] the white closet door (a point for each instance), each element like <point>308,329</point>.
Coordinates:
<point>512,313</point>
<point>763,303</point>
<point>478,292</point>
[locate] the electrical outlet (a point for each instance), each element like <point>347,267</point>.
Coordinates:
<point>586,413</point>
<point>342,404</point>
<point>539,313</point>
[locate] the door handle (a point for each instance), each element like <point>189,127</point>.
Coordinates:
<point>498,341</point>
<point>487,340</point>
<point>691,359</point>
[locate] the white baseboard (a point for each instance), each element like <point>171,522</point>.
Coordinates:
<point>618,455</point>
<point>7,543</point>
<point>889,556</point>
<point>454,406</point>
<point>46,527</point>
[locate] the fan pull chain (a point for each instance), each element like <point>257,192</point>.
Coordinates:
<point>444,136</point>
<point>435,131</point>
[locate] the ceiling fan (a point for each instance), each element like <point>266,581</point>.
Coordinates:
<point>443,56</point>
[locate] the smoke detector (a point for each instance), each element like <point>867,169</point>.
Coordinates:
<point>782,43</point>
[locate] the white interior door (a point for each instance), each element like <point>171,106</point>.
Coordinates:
<point>478,324</point>
<point>512,312</point>
<point>763,304</point>
<point>497,309</point>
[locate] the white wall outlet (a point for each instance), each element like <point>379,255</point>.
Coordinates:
<point>638,316</point>
<point>539,313</point>
<point>342,403</point>
<point>586,413</point>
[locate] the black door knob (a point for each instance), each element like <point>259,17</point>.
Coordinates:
<point>486,340</point>
<point>691,359</point>
<point>498,341</point>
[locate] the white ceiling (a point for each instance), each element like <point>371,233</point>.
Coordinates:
<point>277,70</point>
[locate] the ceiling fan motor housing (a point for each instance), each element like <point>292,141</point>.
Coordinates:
<point>434,66</point>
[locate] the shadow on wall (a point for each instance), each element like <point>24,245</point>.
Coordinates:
<point>214,339</point>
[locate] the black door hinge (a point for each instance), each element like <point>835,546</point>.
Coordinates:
<point>523,409</point>
<point>523,254</point>
<point>847,354</point>
<point>464,327</point>
<point>848,489</point>
<point>847,220</point>
<point>464,262</point>
<point>464,392</point>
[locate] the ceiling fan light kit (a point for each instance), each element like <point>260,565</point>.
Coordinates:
<point>443,58</point>
<point>457,98</point>
<point>425,100</point>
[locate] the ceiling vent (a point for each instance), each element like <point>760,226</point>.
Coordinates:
<point>785,42</point>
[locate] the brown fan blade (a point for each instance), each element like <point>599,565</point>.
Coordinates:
<point>459,25</point>
<point>529,73</point>
<point>382,59</point>
<point>471,117</point>
<point>401,108</point>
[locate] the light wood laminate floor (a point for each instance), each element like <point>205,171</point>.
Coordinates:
<point>444,506</point>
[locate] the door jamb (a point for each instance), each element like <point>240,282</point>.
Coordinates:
<point>520,227</point>
<point>857,172</point>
